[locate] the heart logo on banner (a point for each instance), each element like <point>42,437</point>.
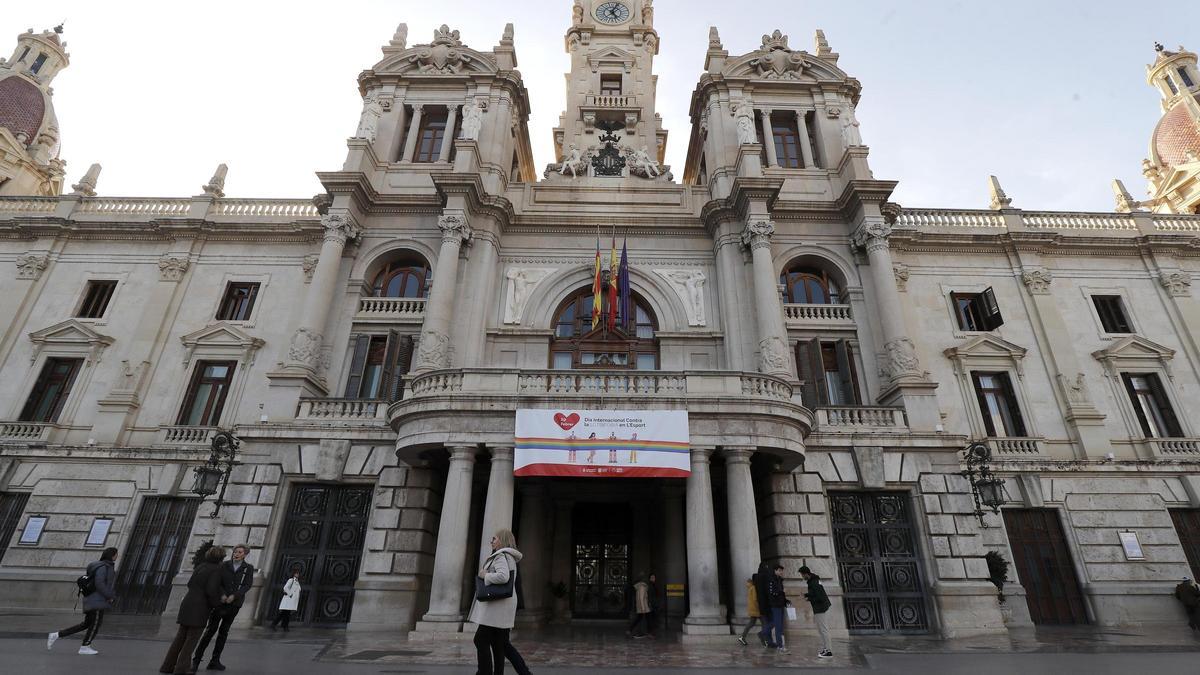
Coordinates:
<point>566,421</point>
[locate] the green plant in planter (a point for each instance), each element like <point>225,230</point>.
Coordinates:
<point>997,571</point>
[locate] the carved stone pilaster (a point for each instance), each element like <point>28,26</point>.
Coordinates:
<point>433,353</point>
<point>340,227</point>
<point>758,234</point>
<point>309,265</point>
<point>900,270</point>
<point>305,348</point>
<point>454,227</point>
<point>772,355</point>
<point>30,265</point>
<point>1178,284</point>
<point>1037,280</point>
<point>172,267</point>
<point>872,235</point>
<point>900,359</point>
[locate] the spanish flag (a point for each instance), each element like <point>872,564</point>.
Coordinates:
<point>597,298</point>
<point>614,267</point>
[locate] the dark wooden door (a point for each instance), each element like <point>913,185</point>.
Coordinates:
<point>878,563</point>
<point>323,535</point>
<point>156,549</point>
<point>1187,524</point>
<point>601,561</point>
<point>1044,566</point>
<point>12,505</point>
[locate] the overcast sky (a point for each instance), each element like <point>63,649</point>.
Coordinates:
<point>1051,99</point>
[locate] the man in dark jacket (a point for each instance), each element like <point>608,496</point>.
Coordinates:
<point>237,576</point>
<point>761,581</point>
<point>103,574</point>
<point>1188,594</point>
<point>819,600</point>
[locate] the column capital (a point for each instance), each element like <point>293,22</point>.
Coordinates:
<point>462,453</point>
<point>758,233</point>
<point>738,454</point>
<point>701,455</point>
<point>1037,280</point>
<point>1177,284</point>
<point>454,227</point>
<point>340,227</point>
<point>765,112</point>
<point>418,107</point>
<point>872,235</point>
<point>901,359</point>
<point>501,452</point>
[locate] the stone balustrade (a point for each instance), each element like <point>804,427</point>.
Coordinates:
<point>920,219</point>
<point>1015,446</point>
<point>856,418</point>
<point>185,435</point>
<point>1124,223</point>
<point>391,310</point>
<point>133,206</point>
<point>1078,221</point>
<point>1174,447</point>
<point>268,208</point>
<point>804,315</point>
<point>28,204</point>
<point>1177,223</point>
<point>24,431</point>
<point>611,101</point>
<point>341,410</point>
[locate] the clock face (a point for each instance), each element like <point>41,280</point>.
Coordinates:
<point>612,13</point>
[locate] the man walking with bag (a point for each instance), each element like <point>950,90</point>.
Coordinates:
<point>98,598</point>
<point>819,600</point>
<point>237,576</point>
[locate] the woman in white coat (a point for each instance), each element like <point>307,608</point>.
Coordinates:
<point>290,600</point>
<point>496,617</point>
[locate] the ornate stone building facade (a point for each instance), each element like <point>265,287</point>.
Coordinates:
<point>835,353</point>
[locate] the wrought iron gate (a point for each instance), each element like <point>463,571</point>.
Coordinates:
<point>878,563</point>
<point>600,569</point>
<point>1044,566</point>
<point>156,549</point>
<point>323,535</point>
<point>12,505</point>
<point>1187,525</point>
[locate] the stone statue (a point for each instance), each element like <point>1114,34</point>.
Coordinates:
<point>648,12</point>
<point>743,112</point>
<point>572,161</point>
<point>521,282</point>
<point>472,121</point>
<point>577,14</point>
<point>368,122</point>
<point>642,164</point>
<point>691,282</point>
<point>850,135</point>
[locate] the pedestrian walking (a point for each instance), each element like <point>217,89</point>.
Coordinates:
<point>495,616</point>
<point>1189,594</point>
<point>753,612</point>
<point>779,603</point>
<point>290,600</point>
<point>98,597</point>
<point>237,576</point>
<point>203,595</point>
<point>762,583</point>
<point>819,600</point>
<point>641,609</point>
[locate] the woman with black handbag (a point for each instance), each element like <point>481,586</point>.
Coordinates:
<point>495,607</point>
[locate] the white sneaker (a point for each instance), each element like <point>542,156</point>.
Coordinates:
<point>88,651</point>
<point>51,639</point>
<point>825,654</point>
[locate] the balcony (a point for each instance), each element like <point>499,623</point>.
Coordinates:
<point>185,435</point>
<point>26,432</point>
<point>390,310</point>
<point>861,418</point>
<point>342,410</point>
<point>611,101</point>
<point>1174,448</point>
<point>1014,447</point>
<point>818,316</point>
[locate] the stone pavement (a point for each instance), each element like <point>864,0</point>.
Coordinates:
<point>136,644</point>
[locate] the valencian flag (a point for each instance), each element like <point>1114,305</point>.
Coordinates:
<point>623,285</point>
<point>597,298</point>
<point>613,273</point>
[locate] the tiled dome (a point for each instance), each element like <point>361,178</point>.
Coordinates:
<point>1177,133</point>
<point>22,107</point>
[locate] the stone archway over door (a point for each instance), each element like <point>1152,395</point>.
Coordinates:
<point>1044,566</point>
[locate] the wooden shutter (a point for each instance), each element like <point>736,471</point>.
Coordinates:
<point>991,309</point>
<point>358,361</point>
<point>1137,404</point>
<point>983,406</point>
<point>846,372</point>
<point>404,358</point>
<point>1014,410</point>
<point>808,387</point>
<point>1164,406</point>
<point>389,364</point>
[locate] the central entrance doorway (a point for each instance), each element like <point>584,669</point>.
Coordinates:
<point>1044,566</point>
<point>601,559</point>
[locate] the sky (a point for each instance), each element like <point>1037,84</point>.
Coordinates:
<point>1051,97</point>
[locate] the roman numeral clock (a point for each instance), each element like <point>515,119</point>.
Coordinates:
<point>612,13</point>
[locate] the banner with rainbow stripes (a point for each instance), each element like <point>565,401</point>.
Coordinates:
<point>602,443</point>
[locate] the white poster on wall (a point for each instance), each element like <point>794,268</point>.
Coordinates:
<point>602,443</point>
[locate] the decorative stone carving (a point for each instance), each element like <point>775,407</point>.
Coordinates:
<point>172,267</point>
<point>758,234</point>
<point>521,283</point>
<point>872,234</point>
<point>743,113</point>
<point>689,286</point>
<point>833,112</point>
<point>433,352</point>
<point>305,347</point>
<point>901,272</point>
<point>454,227</point>
<point>86,187</point>
<point>999,200</point>
<point>1125,201</point>
<point>131,376</point>
<point>1075,390</point>
<point>368,121</point>
<point>714,39</point>
<point>340,227</point>
<point>573,162</point>
<point>443,56</point>
<point>1037,280</point>
<point>901,358</point>
<point>30,265</point>
<point>1178,284</point>
<point>648,12</point>
<point>577,14</point>
<point>216,185</point>
<point>821,45</point>
<point>640,163</point>
<point>850,132</point>
<point>607,160</point>
<point>772,355</point>
<point>400,38</point>
<point>472,121</point>
<point>309,265</point>
<point>775,61</point>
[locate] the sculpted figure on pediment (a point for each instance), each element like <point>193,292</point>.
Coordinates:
<point>776,61</point>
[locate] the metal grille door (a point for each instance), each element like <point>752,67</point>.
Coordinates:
<point>12,505</point>
<point>600,570</point>
<point>156,549</point>
<point>323,535</point>
<point>883,589</point>
<point>1043,563</point>
<point>1187,524</point>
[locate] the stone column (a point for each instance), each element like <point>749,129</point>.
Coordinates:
<point>772,334</point>
<point>901,362</point>
<point>498,506</point>
<point>414,129</point>
<point>806,151</point>
<point>434,349</point>
<point>729,267</point>
<point>305,349</point>
<point>768,138</point>
<point>744,551</point>
<point>531,540</point>
<point>450,556</point>
<point>704,611</point>
<point>448,136</point>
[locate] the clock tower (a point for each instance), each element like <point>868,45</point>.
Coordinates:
<point>612,44</point>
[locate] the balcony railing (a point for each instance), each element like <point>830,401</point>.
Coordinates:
<point>391,310</point>
<point>1174,447</point>
<point>135,206</point>
<point>840,418</point>
<point>1015,446</point>
<point>185,435</point>
<point>797,315</point>
<point>341,410</point>
<point>611,101</point>
<point>25,431</point>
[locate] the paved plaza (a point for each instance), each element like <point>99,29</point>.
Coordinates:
<point>136,645</point>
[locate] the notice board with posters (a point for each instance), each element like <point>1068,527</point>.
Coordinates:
<point>602,443</point>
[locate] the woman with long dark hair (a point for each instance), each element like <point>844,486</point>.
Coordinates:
<point>103,576</point>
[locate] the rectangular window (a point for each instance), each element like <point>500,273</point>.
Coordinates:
<point>24,54</point>
<point>1112,313</point>
<point>51,390</point>
<point>95,299</point>
<point>827,372</point>
<point>38,63</point>
<point>206,393</point>
<point>430,137</point>
<point>787,140</point>
<point>12,505</point>
<point>1185,78</point>
<point>1152,406</point>
<point>378,365</point>
<point>610,85</point>
<point>1170,84</point>
<point>238,302</point>
<point>977,311</point>
<point>998,403</point>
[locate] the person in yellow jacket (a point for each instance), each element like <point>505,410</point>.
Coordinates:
<point>754,613</point>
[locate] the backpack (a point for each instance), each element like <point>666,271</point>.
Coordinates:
<point>86,583</point>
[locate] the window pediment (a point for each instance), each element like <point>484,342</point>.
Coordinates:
<point>220,339</point>
<point>611,56</point>
<point>1135,351</point>
<point>71,336</point>
<point>984,350</point>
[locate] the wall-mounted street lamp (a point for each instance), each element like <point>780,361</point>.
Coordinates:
<point>213,475</point>
<point>987,490</point>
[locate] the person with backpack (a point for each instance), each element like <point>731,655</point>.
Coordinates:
<point>97,586</point>
<point>290,600</point>
<point>819,600</point>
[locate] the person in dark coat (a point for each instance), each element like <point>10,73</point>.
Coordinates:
<point>819,600</point>
<point>761,580</point>
<point>776,602</point>
<point>104,575</point>
<point>203,594</point>
<point>1188,594</point>
<point>237,576</point>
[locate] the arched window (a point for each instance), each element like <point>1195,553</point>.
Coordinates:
<point>809,286</point>
<point>630,344</point>
<point>402,278</point>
